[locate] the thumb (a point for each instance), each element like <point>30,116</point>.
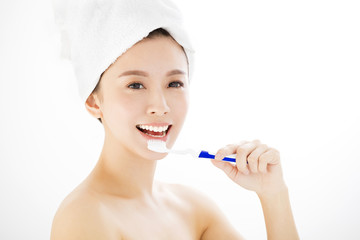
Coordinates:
<point>229,169</point>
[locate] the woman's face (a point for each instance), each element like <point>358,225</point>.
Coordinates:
<point>145,96</point>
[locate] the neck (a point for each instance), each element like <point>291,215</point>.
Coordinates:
<point>121,173</point>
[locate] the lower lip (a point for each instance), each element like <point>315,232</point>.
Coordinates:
<point>148,137</point>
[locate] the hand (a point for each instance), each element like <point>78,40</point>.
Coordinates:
<point>257,167</point>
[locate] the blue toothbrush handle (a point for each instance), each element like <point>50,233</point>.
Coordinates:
<point>205,154</point>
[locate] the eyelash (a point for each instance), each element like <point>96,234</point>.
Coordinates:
<point>179,84</point>
<point>132,85</point>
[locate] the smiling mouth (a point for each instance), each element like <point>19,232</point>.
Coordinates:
<point>154,131</point>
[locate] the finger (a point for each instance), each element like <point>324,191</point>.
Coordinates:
<point>253,158</point>
<point>228,150</point>
<point>242,154</point>
<point>271,156</point>
<point>229,169</point>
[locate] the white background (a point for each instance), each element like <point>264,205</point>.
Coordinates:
<point>284,72</point>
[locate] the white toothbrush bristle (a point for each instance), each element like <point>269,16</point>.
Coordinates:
<point>157,146</point>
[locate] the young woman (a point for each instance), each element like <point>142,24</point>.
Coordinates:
<point>144,95</point>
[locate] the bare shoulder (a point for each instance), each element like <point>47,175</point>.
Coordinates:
<point>203,204</point>
<point>193,196</point>
<point>81,216</point>
<point>214,224</point>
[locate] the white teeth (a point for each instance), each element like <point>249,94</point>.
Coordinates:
<point>154,128</point>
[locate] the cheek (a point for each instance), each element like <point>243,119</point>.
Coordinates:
<point>123,109</point>
<point>180,106</point>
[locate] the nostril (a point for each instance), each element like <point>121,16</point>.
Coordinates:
<point>157,104</point>
<point>158,107</point>
<point>158,110</point>
<point>158,113</point>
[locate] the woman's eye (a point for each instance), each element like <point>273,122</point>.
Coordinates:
<point>176,84</point>
<point>136,86</point>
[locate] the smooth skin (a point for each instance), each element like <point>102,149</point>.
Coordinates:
<point>120,199</point>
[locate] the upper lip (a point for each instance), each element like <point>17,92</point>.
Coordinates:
<point>155,124</point>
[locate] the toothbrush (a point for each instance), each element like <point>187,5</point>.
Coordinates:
<point>160,146</point>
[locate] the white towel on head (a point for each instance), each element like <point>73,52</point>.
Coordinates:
<point>95,33</point>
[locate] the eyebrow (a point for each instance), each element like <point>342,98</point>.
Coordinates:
<point>145,74</point>
<point>175,72</point>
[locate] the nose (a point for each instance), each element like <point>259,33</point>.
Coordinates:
<point>158,105</point>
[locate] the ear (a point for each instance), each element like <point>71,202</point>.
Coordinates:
<point>92,105</point>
